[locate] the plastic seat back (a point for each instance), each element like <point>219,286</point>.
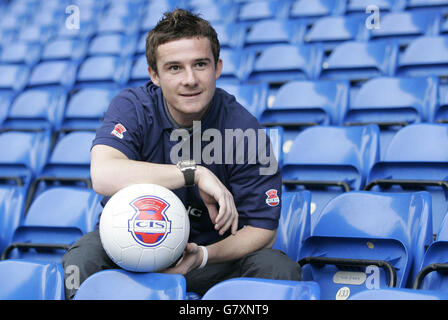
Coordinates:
<point>263,289</point>
<point>124,285</point>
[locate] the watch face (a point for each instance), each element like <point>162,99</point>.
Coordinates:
<point>187,164</point>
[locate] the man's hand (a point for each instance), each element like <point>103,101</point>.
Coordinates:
<point>212,192</point>
<point>191,259</point>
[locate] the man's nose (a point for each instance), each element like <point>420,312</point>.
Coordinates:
<point>190,78</point>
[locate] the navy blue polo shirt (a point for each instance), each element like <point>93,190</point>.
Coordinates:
<point>138,124</point>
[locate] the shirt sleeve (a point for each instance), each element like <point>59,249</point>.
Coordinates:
<point>121,128</point>
<point>257,191</point>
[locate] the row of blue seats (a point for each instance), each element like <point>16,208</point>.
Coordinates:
<point>350,60</point>
<point>211,10</point>
<point>324,160</point>
<point>362,242</point>
<point>330,30</point>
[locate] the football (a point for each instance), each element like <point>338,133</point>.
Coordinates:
<point>144,228</point>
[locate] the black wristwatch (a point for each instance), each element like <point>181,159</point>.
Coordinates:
<point>188,167</point>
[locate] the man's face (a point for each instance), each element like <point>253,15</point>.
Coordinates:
<point>187,75</point>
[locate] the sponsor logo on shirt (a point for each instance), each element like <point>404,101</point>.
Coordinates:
<point>119,130</point>
<point>272,199</point>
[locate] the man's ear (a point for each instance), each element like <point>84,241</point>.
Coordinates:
<point>218,69</point>
<point>154,77</point>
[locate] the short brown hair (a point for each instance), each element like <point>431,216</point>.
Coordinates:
<point>176,25</point>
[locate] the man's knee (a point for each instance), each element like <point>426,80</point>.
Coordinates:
<point>270,264</point>
<point>84,258</point>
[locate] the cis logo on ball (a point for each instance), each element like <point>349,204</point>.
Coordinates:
<point>149,225</point>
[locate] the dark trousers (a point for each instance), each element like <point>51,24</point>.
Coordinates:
<point>87,256</point>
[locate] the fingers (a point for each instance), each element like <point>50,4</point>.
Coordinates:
<point>227,216</point>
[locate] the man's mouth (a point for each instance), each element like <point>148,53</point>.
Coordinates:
<point>190,94</point>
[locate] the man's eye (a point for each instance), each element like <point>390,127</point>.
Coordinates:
<point>174,68</point>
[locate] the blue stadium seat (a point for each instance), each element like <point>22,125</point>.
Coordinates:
<point>267,32</point>
<point>55,220</point>
<point>14,77</point>
<point>37,108</point>
<point>358,60</point>
<point>86,107</point>
<point>302,103</point>
<point>425,56</point>
<point>124,285</point>
<point>12,204</point>
<point>6,98</point>
<point>113,44</point>
<point>128,25</point>
<point>263,289</point>
<point>329,161</point>
<point>65,49</point>
<point>314,9</point>
<point>416,159</point>
<point>427,4</point>
<point>354,6</point>
<point>26,156</point>
<point>213,12</point>
<point>403,100</point>
<point>294,224</point>
<point>70,157</point>
<point>54,73</point>
<point>365,239</point>
<point>35,33</point>
<point>31,280</point>
<point>139,72</point>
<point>264,9</point>
<point>298,62</point>
<point>235,65</point>
<point>432,275</point>
<point>399,294</point>
<point>333,30</point>
<point>406,26</point>
<point>230,35</point>
<point>252,96</point>
<point>110,71</point>
<point>20,53</point>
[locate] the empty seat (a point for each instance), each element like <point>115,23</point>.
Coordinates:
<point>432,275</point>
<point>37,108</point>
<point>263,289</point>
<point>86,107</point>
<point>273,31</point>
<point>59,73</point>
<point>14,77</point>
<point>416,159</point>
<point>366,240</point>
<point>333,30</point>
<point>12,203</point>
<point>124,285</point>
<point>235,65</point>
<point>403,101</point>
<point>104,71</point>
<point>330,160</point>
<point>313,9</point>
<point>302,103</point>
<point>139,72</point>
<point>230,35</point>
<point>20,53</point>
<point>252,96</point>
<point>357,60</point>
<point>31,280</point>
<point>113,44</point>
<point>427,55</point>
<point>260,10</point>
<point>400,294</point>
<point>213,12</point>
<point>297,62</point>
<point>406,26</point>
<point>110,23</point>
<point>55,220</point>
<point>65,49</point>
<point>294,224</point>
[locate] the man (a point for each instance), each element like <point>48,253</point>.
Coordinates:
<point>234,209</point>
